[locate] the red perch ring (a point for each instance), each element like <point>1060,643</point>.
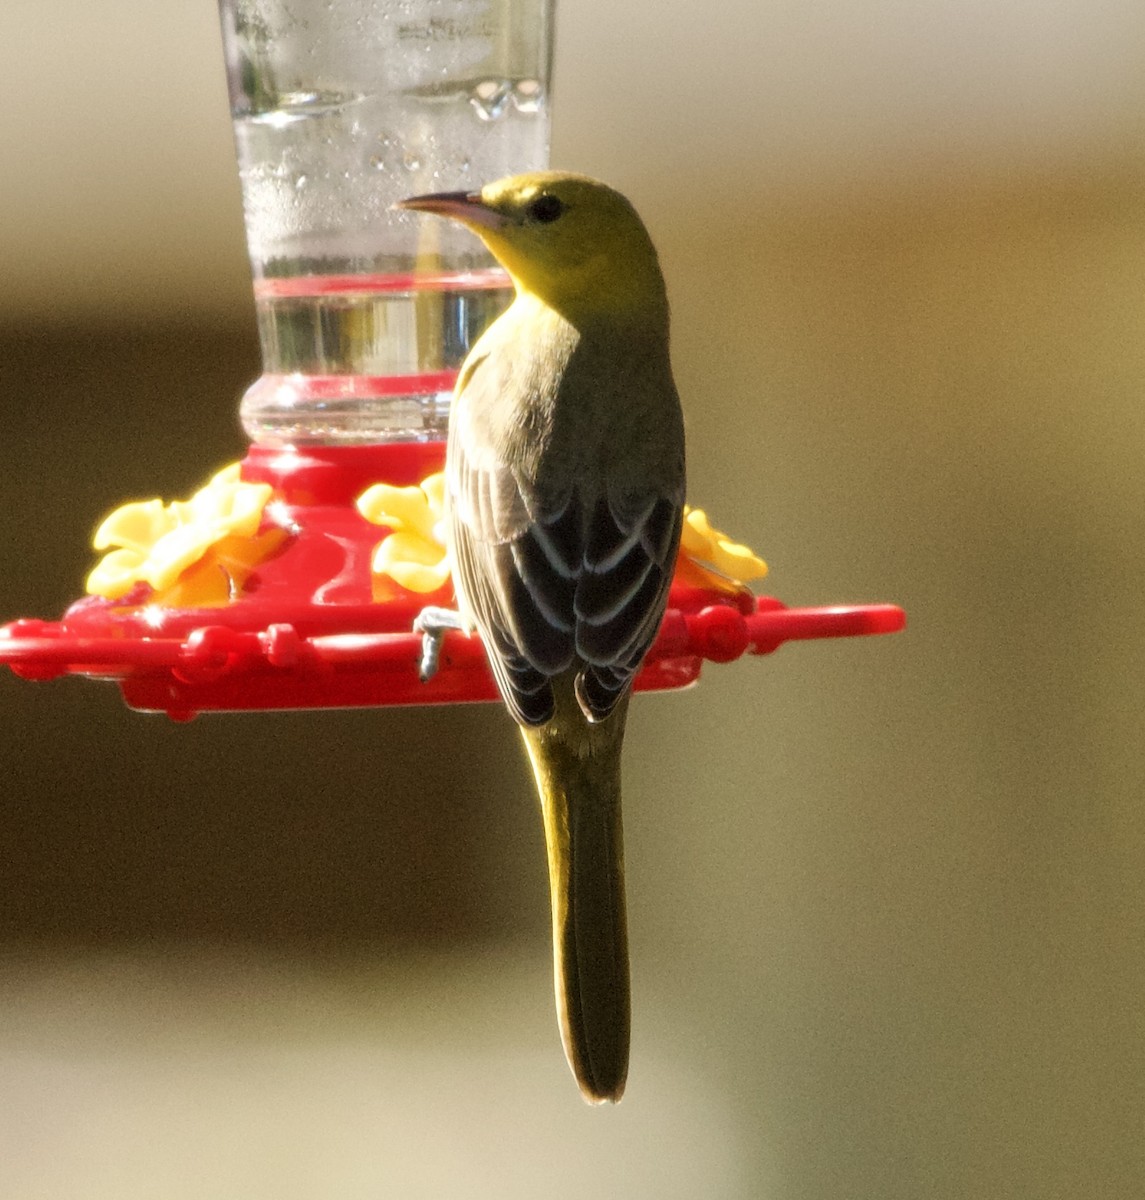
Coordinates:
<point>313,628</point>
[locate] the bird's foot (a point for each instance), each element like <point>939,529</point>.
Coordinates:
<point>433,624</point>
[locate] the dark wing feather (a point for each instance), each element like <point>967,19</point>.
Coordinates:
<point>621,595</point>
<point>524,687</point>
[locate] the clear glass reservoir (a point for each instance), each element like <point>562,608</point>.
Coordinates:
<point>342,107</point>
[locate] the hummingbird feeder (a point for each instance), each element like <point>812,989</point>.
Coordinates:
<point>292,579</point>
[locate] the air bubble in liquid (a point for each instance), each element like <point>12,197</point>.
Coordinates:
<point>490,98</point>
<point>528,95</point>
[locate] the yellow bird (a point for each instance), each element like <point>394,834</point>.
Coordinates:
<point>565,488</point>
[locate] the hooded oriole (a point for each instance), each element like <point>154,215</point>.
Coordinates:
<point>565,472</point>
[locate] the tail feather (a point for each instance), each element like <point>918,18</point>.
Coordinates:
<point>577,768</point>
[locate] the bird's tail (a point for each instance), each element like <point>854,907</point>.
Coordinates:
<point>577,768</point>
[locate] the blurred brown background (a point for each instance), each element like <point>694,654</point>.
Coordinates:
<point>886,895</point>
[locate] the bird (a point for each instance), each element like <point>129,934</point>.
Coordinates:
<point>565,475</point>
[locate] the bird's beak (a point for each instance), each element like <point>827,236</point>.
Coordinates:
<point>466,207</point>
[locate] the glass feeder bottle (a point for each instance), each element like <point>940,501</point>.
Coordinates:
<point>340,109</point>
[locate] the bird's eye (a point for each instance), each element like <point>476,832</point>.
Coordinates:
<point>545,209</point>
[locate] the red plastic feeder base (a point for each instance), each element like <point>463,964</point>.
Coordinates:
<point>313,628</point>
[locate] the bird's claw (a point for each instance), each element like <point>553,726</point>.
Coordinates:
<point>433,624</point>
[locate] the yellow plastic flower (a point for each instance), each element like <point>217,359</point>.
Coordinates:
<point>162,544</point>
<point>709,558</point>
<point>413,553</point>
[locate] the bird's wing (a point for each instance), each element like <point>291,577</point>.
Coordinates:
<point>553,579</point>
<point>515,561</point>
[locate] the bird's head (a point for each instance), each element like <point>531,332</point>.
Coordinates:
<point>576,244</point>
